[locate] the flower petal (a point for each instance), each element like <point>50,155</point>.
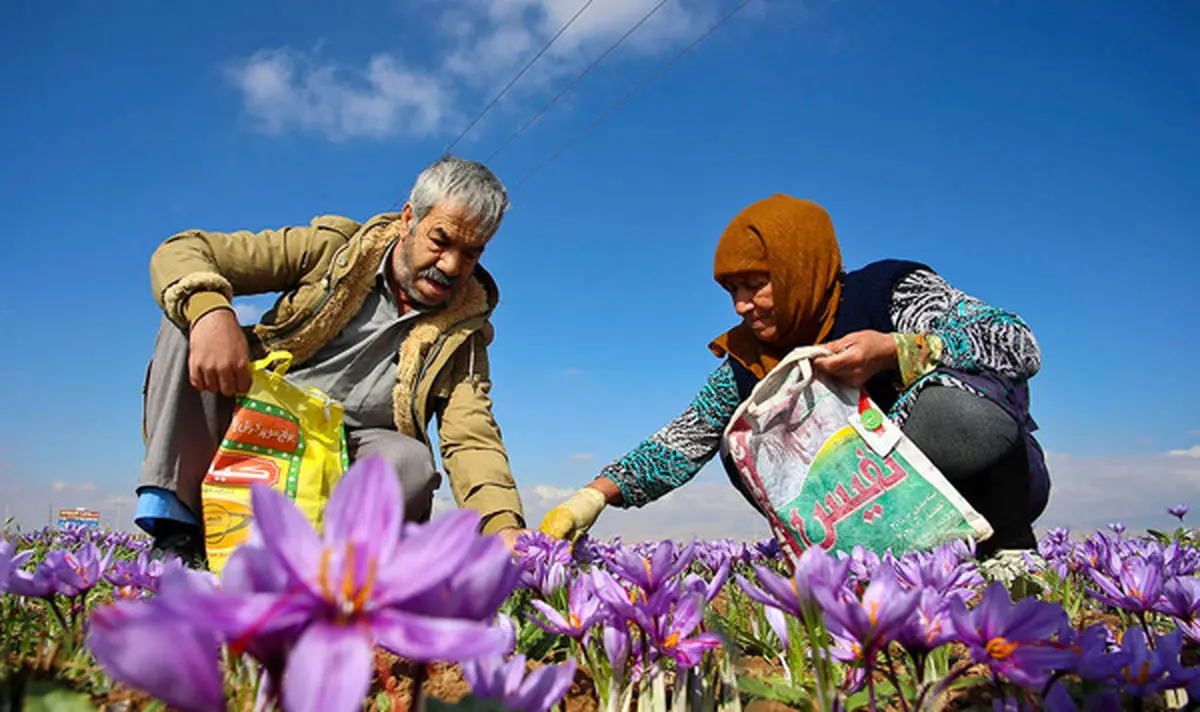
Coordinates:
<point>544,687</point>
<point>286,533</point>
<point>149,649</point>
<point>323,647</point>
<point>437,550</point>
<point>430,639</point>
<point>367,508</point>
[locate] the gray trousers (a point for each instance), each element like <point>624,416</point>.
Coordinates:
<point>978,447</point>
<point>184,427</point>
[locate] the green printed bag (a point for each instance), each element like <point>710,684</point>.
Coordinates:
<point>830,469</point>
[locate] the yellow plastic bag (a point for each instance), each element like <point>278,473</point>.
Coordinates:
<point>284,436</point>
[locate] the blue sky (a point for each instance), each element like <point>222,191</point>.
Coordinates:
<point>1041,156</point>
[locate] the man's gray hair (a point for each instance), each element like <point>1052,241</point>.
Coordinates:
<point>462,182</point>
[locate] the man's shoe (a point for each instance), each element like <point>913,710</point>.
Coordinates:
<point>182,541</point>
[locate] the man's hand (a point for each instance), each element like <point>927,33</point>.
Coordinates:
<point>571,519</point>
<point>510,535</point>
<point>218,354</point>
<point>858,356</point>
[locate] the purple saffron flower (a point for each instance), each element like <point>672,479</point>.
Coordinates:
<point>493,678</point>
<point>874,620</point>
<point>77,572</point>
<point>709,589</point>
<point>1148,671</point>
<point>1137,587</point>
<point>41,583</point>
<point>652,570</point>
<point>816,569</point>
<point>1178,511</point>
<point>670,634</point>
<point>342,593</point>
<point>10,562</point>
<point>148,647</point>
<point>1094,656</point>
<point>1059,700</point>
<point>929,626</point>
<point>617,644</point>
<point>778,622</point>
<point>583,611</point>
<point>1013,640</point>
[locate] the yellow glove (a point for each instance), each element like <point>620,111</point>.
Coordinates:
<point>576,514</point>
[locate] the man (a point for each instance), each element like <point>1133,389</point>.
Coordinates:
<point>390,318</point>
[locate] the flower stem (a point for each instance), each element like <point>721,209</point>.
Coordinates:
<point>419,677</point>
<point>58,613</point>
<point>891,673</point>
<point>870,684</point>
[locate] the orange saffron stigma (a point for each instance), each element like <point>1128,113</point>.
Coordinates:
<point>646,562</point>
<point>672,641</point>
<point>573,620</point>
<point>1143,675</point>
<point>999,648</point>
<point>323,575</point>
<point>873,612</point>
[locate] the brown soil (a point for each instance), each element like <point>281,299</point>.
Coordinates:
<point>446,683</point>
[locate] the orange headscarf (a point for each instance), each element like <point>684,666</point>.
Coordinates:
<point>793,240</point>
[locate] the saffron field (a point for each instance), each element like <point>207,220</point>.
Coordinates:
<point>376,614</point>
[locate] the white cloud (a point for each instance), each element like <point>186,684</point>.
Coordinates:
<point>284,89</point>
<point>35,505</point>
<point>1193,451</point>
<point>581,456</point>
<point>485,41</point>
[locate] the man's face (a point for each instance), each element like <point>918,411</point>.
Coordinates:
<point>431,263</point>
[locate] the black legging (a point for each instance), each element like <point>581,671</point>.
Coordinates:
<point>978,447</point>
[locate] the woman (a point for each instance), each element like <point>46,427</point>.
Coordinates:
<point>950,369</point>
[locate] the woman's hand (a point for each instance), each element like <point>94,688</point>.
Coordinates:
<point>858,356</point>
<point>571,519</point>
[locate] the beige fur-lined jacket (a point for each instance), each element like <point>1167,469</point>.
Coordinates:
<point>325,272</point>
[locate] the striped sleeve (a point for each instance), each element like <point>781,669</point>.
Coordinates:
<point>973,335</point>
<point>672,456</point>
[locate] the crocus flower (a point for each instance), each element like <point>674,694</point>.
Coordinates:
<point>1148,670</point>
<point>40,583</point>
<point>670,633</point>
<point>652,570</point>
<point>346,591</point>
<point>1059,700</point>
<point>1178,511</point>
<point>146,646</point>
<point>493,678</point>
<point>77,572</point>
<point>816,569</point>
<point>778,622</point>
<point>1117,527</point>
<point>583,611</point>
<point>928,627</point>
<point>873,620</point>
<point>1095,657</point>
<point>709,589</point>
<point>10,562</point>
<point>1013,640</point>
<point>1137,587</point>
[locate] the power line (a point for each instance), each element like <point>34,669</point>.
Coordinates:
<point>576,80</point>
<point>520,74</point>
<point>633,91</point>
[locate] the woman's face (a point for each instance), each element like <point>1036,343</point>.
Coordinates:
<point>753,301</point>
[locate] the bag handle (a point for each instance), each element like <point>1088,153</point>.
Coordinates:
<point>282,358</point>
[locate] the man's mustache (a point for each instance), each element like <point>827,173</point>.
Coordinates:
<point>435,275</point>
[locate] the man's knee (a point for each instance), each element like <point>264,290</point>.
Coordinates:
<point>962,433</point>
<point>412,460</point>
